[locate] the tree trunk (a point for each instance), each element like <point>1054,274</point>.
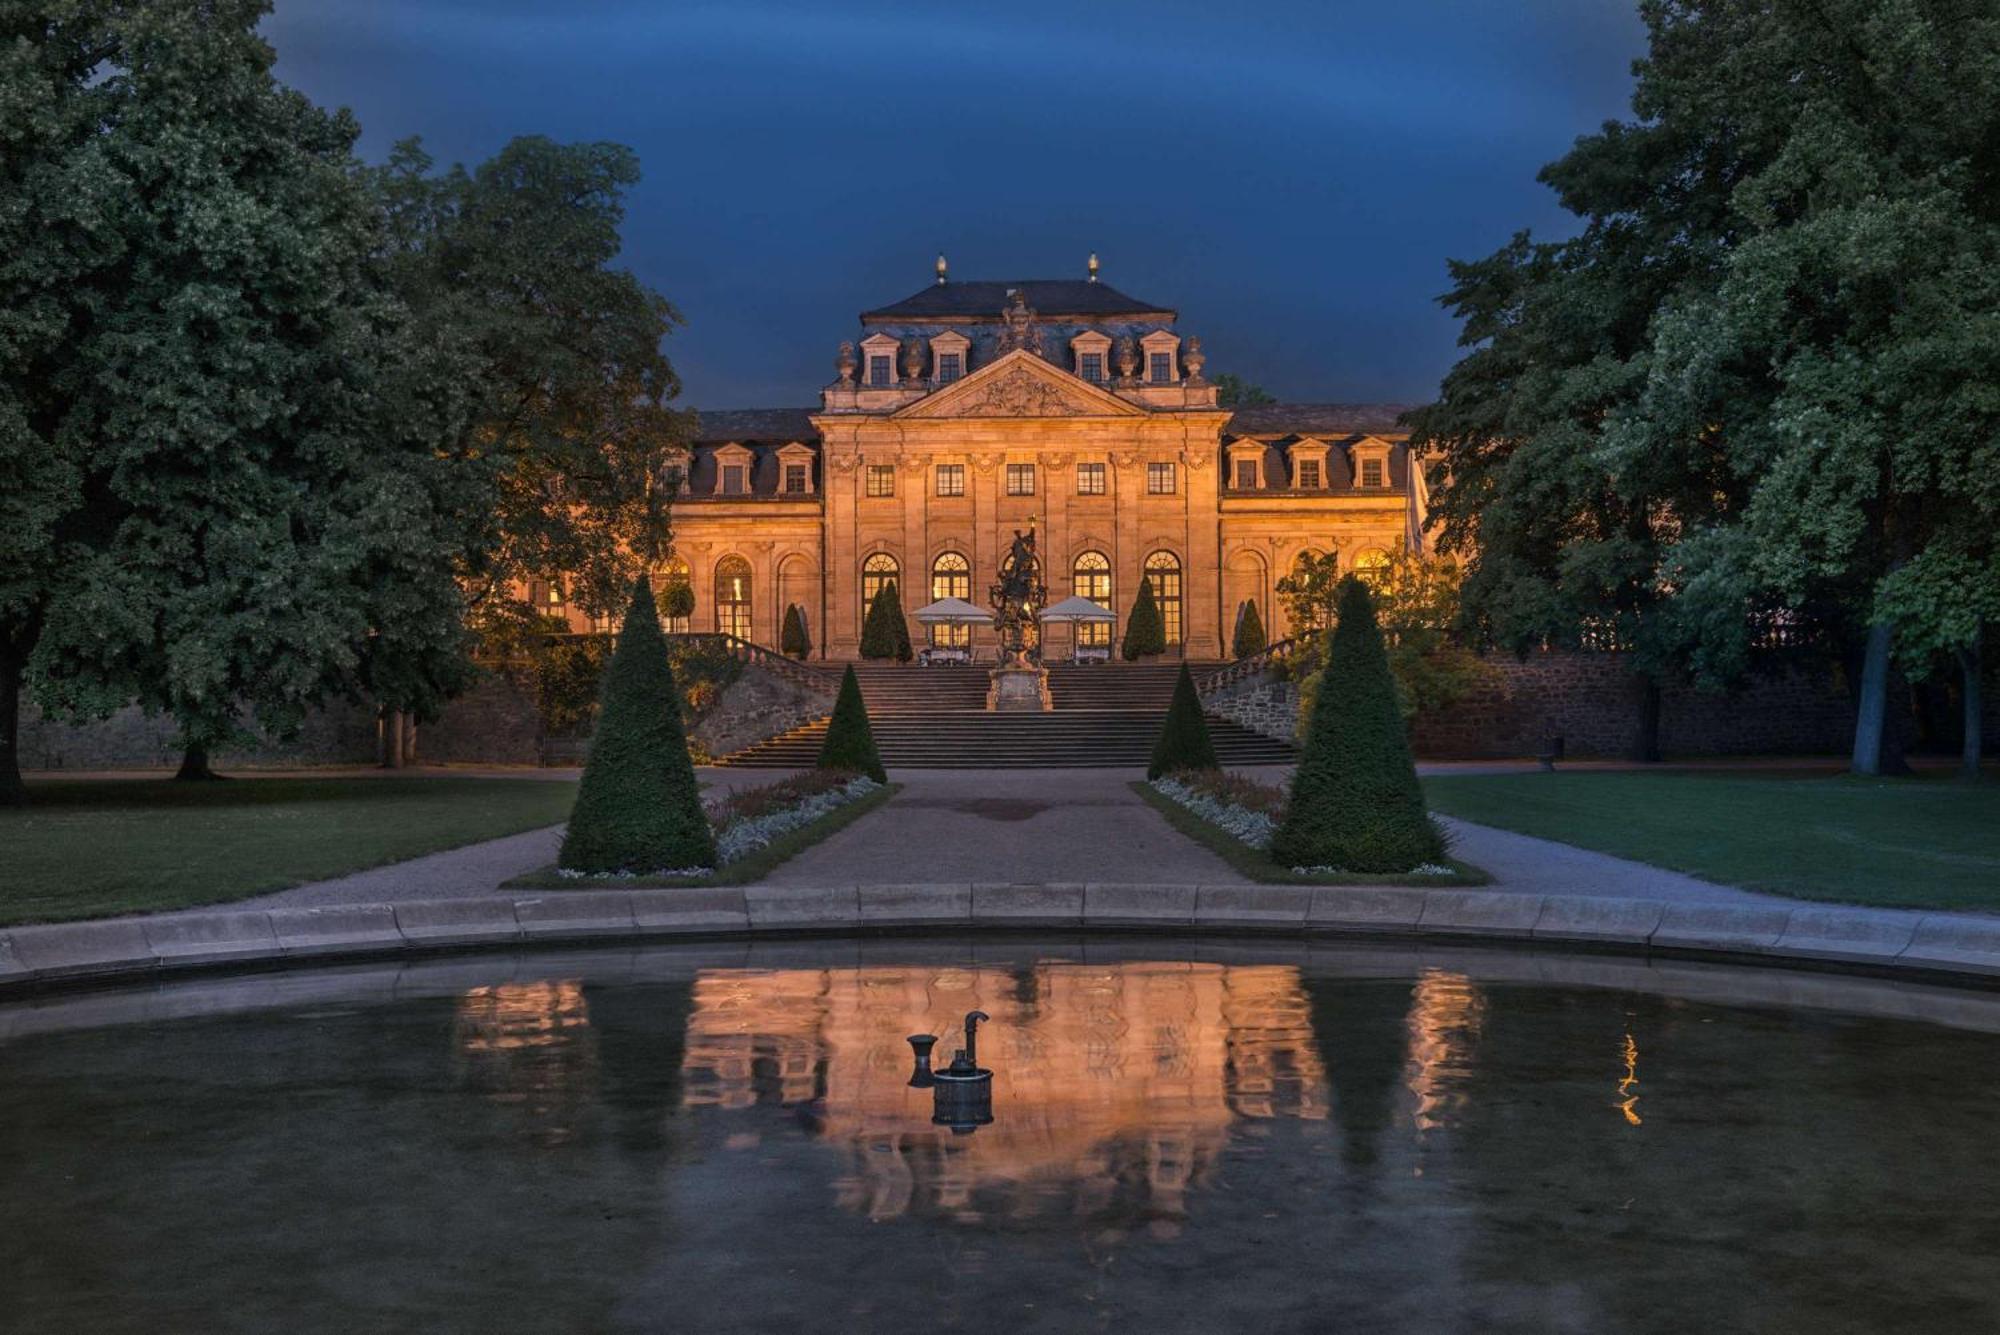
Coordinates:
<point>1872,712</point>
<point>194,765</point>
<point>13,792</point>
<point>398,721</point>
<point>1646,746</point>
<point>1973,744</point>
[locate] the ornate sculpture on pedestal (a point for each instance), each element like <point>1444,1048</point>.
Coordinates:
<point>1019,683</point>
<point>845,364</point>
<point>1017,326</point>
<point>1193,358</point>
<point>1126,355</point>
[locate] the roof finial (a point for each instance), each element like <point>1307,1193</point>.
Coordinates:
<point>942,268</point>
<point>1093,266</point>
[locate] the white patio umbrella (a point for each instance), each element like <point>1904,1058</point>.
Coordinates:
<point>952,612</point>
<point>1077,609</point>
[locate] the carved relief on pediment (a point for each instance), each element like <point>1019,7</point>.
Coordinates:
<point>1019,393</point>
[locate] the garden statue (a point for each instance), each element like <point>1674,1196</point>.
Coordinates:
<point>1018,597</point>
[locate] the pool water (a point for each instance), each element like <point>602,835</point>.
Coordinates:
<point>1185,1138</point>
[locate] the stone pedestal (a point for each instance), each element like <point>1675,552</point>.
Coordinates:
<point>1018,688</point>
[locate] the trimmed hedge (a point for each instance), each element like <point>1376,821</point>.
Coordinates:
<point>793,640</point>
<point>1355,803</point>
<point>1145,629</point>
<point>885,634</point>
<point>1250,637</point>
<point>638,808</point>
<point>850,742</point>
<point>1184,741</point>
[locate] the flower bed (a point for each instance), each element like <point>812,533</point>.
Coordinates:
<point>752,818</point>
<point>1250,812</point>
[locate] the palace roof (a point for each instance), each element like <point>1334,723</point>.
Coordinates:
<point>720,424</point>
<point>1317,419</point>
<point>1050,298</point>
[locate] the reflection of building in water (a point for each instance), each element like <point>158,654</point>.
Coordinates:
<point>531,1044</point>
<point>1445,1016</point>
<point>1114,1085</point>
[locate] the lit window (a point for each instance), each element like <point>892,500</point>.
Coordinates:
<point>1093,367</point>
<point>555,595</point>
<point>1371,472</point>
<point>880,372</point>
<point>1020,479</point>
<point>1091,578</point>
<point>881,479</point>
<point>1162,367</point>
<point>951,577</point>
<point>1163,572</point>
<point>732,480</point>
<point>1308,472</point>
<point>1159,479</point>
<point>1246,474</point>
<point>951,479</point>
<point>1090,479</point>
<point>949,367</point>
<point>795,478</point>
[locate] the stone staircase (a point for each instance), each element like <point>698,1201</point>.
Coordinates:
<point>936,718</point>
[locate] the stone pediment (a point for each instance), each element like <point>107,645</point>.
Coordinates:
<point>1020,384</point>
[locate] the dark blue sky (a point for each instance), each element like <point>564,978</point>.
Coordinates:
<point>1290,174</point>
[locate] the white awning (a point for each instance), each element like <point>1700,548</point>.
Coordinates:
<point>1078,609</point>
<point>952,612</point>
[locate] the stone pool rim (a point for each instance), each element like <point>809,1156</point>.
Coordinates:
<point>1951,948</point>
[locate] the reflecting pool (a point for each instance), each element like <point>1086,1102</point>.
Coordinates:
<point>1185,1138</point>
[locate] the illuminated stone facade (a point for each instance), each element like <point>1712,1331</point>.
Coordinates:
<point>972,410</point>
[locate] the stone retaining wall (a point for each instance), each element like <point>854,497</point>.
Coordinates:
<point>1591,701</point>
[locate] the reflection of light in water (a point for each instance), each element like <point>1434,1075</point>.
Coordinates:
<point>1628,1084</point>
<point>1445,1016</point>
<point>1114,1086</point>
<point>530,1044</point>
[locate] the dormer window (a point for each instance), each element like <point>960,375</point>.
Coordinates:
<point>1371,472</point>
<point>879,353</point>
<point>949,352</point>
<point>1371,463</point>
<point>1246,464</point>
<point>1246,475</point>
<point>950,367</point>
<point>1092,352</point>
<point>1308,456</point>
<point>1309,473</point>
<point>795,474</point>
<point>732,470</point>
<point>881,371</point>
<point>1160,368</point>
<point>1161,349</point>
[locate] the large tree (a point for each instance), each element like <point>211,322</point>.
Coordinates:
<point>214,503</point>
<point>571,436</point>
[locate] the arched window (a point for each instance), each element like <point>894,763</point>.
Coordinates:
<point>1163,571</point>
<point>1315,589</point>
<point>877,573</point>
<point>732,597</point>
<point>1372,565</point>
<point>1090,578</point>
<point>951,577</point>
<point>674,589</point>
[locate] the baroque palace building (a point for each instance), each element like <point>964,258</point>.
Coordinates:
<point>973,410</point>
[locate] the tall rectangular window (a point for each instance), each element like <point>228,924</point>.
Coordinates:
<point>732,480</point>
<point>1246,475</point>
<point>1371,472</point>
<point>1090,479</point>
<point>949,367</point>
<point>951,479</point>
<point>1020,479</point>
<point>1161,366</point>
<point>795,478</point>
<point>1093,367</point>
<point>1159,479</point>
<point>880,374</point>
<point>881,480</point>
<point>1308,471</point>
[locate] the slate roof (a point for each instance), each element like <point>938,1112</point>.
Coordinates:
<point>1316,419</point>
<point>779,424</point>
<point>1050,298</point>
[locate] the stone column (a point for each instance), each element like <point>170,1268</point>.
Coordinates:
<point>1201,579</point>
<point>841,572</point>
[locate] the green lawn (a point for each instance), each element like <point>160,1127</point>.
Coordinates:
<point>1903,843</point>
<point>87,848</point>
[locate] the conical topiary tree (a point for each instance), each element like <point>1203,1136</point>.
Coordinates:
<point>885,634</point>
<point>1250,638</point>
<point>794,640</point>
<point>638,808</point>
<point>1145,630</point>
<point>1184,741</point>
<point>850,742</point>
<point>1355,803</point>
